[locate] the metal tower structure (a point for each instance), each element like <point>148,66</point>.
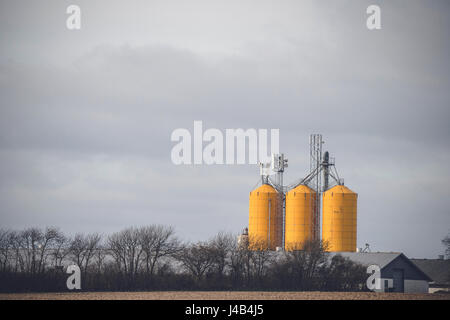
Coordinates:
<point>274,168</point>
<point>321,169</point>
<point>278,164</point>
<point>315,182</point>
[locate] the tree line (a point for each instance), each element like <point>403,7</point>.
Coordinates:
<point>154,258</point>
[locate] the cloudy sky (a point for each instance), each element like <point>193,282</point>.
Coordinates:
<point>86,115</point>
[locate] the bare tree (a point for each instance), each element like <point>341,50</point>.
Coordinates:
<point>126,250</point>
<point>237,258</point>
<point>260,261</point>
<point>342,274</point>
<point>250,259</point>
<point>93,244</point>
<point>257,258</point>
<point>16,243</point>
<point>61,249</point>
<point>446,243</point>
<point>305,263</point>
<point>5,248</point>
<point>49,237</point>
<point>82,248</point>
<point>197,259</point>
<point>149,249</point>
<point>100,255</point>
<point>78,246</point>
<point>31,240</point>
<point>221,246</point>
<point>157,242</point>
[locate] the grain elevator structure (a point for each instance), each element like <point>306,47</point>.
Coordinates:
<point>286,216</point>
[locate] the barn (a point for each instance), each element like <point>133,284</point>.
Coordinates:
<point>438,270</point>
<point>398,273</point>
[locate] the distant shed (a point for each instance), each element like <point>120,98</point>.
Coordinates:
<point>398,273</point>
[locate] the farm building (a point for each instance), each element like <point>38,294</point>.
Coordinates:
<point>398,273</point>
<point>439,272</point>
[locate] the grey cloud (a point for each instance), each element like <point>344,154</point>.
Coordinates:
<point>85,119</point>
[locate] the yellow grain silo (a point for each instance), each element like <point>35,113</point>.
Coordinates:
<point>299,220</point>
<point>265,226</point>
<point>339,219</point>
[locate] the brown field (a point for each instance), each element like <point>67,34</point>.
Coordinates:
<point>223,295</point>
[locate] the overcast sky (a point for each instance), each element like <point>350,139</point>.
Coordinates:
<point>86,116</point>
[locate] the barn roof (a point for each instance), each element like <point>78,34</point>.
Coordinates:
<point>436,269</point>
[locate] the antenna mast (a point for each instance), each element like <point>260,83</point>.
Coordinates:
<point>315,153</point>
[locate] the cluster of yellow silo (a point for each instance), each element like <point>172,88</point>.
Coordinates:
<point>339,205</point>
